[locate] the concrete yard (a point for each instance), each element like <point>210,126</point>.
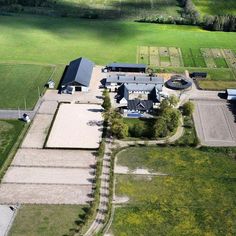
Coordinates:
<point>54,158</point>
<point>44,194</point>
<point>77,126</point>
<point>215,123</point>
<point>37,133</point>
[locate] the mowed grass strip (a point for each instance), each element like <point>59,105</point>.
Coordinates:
<point>9,132</point>
<point>216,85</point>
<point>21,84</point>
<point>46,220</point>
<point>195,198</point>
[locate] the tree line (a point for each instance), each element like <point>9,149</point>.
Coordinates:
<point>30,3</point>
<point>190,16</point>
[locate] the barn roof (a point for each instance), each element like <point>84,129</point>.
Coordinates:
<point>79,71</point>
<point>127,65</point>
<point>135,79</point>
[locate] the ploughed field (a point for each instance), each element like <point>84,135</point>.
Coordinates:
<point>192,193</point>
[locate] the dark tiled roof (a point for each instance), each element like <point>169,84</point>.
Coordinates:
<point>140,105</point>
<point>126,65</point>
<point>79,71</point>
<point>154,95</point>
<point>122,93</point>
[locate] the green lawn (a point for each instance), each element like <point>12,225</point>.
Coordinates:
<point>22,82</point>
<point>9,132</point>
<point>46,220</point>
<point>197,197</point>
<point>33,39</point>
<point>216,7</point>
<point>144,126</point>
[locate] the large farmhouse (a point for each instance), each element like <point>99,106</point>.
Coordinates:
<point>77,76</point>
<point>136,93</point>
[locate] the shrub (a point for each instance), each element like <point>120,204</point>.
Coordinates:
<point>188,108</point>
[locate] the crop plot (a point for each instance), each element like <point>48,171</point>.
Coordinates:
<point>160,56</point>
<point>143,54</point>
<point>154,56</point>
<point>230,56</point>
<point>175,57</point>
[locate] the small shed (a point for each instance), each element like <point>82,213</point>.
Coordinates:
<point>231,94</point>
<point>51,84</point>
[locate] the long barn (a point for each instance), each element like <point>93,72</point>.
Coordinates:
<point>78,75</point>
<point>126,67</point>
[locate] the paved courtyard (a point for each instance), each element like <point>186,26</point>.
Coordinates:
<point>215,123</point>
<point>77,126</point>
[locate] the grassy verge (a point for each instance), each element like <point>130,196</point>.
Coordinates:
<point>189,137</point>
<point>11,135</point>
<point>50,220</point>
<point>216,85</point>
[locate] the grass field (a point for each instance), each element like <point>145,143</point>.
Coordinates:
<point>197,197</point>
<point>215,7</point>
<point>22,82</point>
<point>45,220</point>
<point>119,9</point>
<point>9,132</point>
<point>32,39</point>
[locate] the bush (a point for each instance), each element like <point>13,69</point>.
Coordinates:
<point>137,130</point>
<point>188,108</point>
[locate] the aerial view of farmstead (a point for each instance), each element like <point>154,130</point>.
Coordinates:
<point>117,118</point>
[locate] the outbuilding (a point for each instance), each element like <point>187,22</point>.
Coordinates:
<point>231,94</point>
<point>78,75</point>
<point>126,67</point>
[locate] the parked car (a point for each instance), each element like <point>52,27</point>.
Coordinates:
<point>25,118</point>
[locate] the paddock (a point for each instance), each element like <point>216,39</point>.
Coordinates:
<point>77,126</point>
<point>215,123</point>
